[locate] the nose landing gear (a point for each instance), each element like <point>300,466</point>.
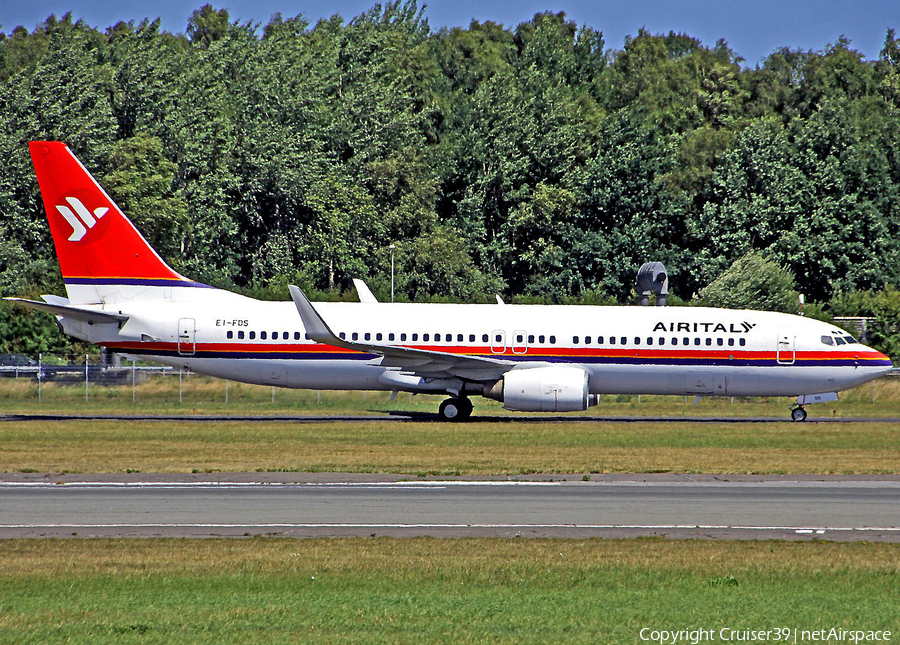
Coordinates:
<point>456,409</point>
<point>798,414</point>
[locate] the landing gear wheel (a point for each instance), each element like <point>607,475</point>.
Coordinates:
<point>455,409</point>
<point>798,414</point>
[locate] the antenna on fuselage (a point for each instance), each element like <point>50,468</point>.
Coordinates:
<point>652,278</point>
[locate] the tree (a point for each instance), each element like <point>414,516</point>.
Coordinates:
<point>206,25</point>
<point>141,182</point>
<point>752,282</point>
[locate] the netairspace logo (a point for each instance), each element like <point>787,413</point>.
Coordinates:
<point>782,634</point>
<point>81,220</point>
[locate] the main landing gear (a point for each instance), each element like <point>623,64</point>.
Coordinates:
<point>456,409</point>
<point>798,414</point>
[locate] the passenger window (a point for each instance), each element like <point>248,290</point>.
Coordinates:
<point>498,338</point>
<point>402,337</point>
<point>719,342</point>
<point>624,340</point>
<point>286,336</point>
<point>520,338</point>
<point>731,342</point>
<point>252,335</point>
<point>587,340</point>
<point>574,340</point>
<point>553,340</point>
<point>274,335</point>
<point>378,336</point>
<point>415,337</point>
<point>459,338</point>
<point>308,338</point>
<point>637,341</point>
<point>471,338</point>
<point>685,341</point>
<point>599,340</point>
<point>531,339</point>
<point>708,342</point>
<point>484,338</point>
<point>742,342</point>
<point>343,336</point>
<point>354,336</point>
<point>262,335</point>
<point>449,338</point>
<point>240,335</point>
<point>696,341</point>
<point>391,337</point>
<point>367,336</point>
<point>425,337</point>
<point>229,335</point>
<point>649,340</point>
<point>674,341</point>
<point>297,336</point>
<point>612,340</point>
<point>541,340</point>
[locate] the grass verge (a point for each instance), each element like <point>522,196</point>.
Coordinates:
<point>475,448</point>
<point>434,591</point>
<point>200,394</point>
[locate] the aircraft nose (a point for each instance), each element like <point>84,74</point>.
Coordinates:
<point>883,362</point>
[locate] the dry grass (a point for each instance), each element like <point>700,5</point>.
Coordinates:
<point>200,394</point>
<point>435,448</point>
<point>101,557</point>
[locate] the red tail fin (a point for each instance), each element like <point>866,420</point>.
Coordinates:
<point>95,242</point>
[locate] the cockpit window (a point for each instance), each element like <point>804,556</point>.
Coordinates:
<point>827,340</point>
<point>851,340</point>
<point>839,341</point>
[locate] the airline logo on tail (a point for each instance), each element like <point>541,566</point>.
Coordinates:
<point>81,220</point>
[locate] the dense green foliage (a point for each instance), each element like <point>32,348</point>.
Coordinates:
<point>531,161</point>
<point>752,282</point>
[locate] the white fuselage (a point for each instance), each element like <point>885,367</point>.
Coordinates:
<point>625,350</point>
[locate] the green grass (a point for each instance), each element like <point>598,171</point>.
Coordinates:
<point>204,395</point>
<point>434,591</point>
<point>476,448</point>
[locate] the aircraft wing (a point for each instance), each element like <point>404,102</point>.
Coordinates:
<point>420,362</point>
<point>78,313</point>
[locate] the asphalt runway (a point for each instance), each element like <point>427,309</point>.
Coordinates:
<point>395,417</point>
<point>294,504</point>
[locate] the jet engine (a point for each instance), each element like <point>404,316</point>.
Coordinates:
<point>543,389</point>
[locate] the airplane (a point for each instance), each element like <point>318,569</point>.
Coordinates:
<point>549,358</point>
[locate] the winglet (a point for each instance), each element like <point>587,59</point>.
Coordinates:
<point>316,328</point>
<point>362,290</point>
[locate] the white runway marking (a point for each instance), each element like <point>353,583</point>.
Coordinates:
<point>647,527</point>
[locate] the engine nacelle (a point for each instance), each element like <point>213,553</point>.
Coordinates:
<point>543,389</point>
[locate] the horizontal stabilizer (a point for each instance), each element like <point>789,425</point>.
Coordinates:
<point>68,311</point>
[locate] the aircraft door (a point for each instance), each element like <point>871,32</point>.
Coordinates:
<point>519,342</point>
<point>786,352</point>
<point>187,343</point>
<point>498,341</point>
